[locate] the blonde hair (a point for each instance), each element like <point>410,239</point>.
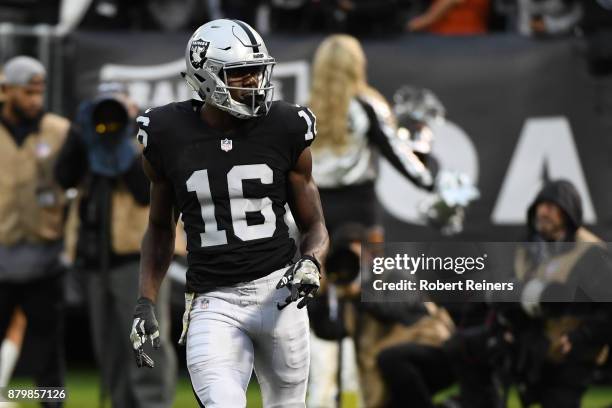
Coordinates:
<point>339,75</point>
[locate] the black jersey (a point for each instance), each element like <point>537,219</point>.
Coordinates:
<point>231,188</point>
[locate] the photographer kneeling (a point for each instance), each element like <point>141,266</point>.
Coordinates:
<point>376,329</point>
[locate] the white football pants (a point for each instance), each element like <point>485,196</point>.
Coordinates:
<point>235,328</point>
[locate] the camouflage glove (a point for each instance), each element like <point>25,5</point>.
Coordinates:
<point>302,279</point>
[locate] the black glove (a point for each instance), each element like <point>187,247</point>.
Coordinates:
<point>144,327</point>
<point>302,278</point>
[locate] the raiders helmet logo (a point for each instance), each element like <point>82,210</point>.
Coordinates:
<point>197,53</point>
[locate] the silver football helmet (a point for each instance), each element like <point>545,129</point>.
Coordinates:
<point>220,46</point>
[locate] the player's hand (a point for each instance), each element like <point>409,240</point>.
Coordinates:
<point>303,280</point>
<point>144,327</point>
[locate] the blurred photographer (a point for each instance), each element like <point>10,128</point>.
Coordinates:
<point>102,160</point>
<point>560,330</point>
<point>365,331</point>
<point>333,371</point>
<point>32,217</point>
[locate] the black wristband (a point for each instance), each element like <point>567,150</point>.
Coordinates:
<point>145,309</point>
<point>314,260</point>
<point>144,301</point>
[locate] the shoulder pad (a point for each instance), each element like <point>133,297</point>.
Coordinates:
<point>157,120</point>
<point>299,120</point>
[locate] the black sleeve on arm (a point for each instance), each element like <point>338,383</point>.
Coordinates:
<point>148,129</point>
<point>398,153</point>
<point>137,182</point>
<point>72,163</point>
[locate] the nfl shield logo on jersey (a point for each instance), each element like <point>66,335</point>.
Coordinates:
<point>226,145</point>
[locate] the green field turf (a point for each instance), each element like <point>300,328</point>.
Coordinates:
<point>596,397</point>
<point>83,391</point>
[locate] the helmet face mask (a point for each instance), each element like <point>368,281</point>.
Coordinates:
<point>221,57</point>
<point>256,99</point>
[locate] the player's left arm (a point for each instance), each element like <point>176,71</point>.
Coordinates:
<point>303,278</point>
<point>306,208</point>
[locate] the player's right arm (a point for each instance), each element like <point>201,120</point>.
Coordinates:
<point>158,242</point>
<point>156,254</point>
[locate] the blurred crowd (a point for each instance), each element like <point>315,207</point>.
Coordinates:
<point>357,17</point>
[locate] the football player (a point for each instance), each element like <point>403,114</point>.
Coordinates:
<point>229,164</point>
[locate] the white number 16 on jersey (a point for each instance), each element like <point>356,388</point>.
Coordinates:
<point>199,183</point>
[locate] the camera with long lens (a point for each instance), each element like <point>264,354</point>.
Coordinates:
<point>342,264</point>
<point>109,118</point>
<point>342,267</point>
<point>106,125</point>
